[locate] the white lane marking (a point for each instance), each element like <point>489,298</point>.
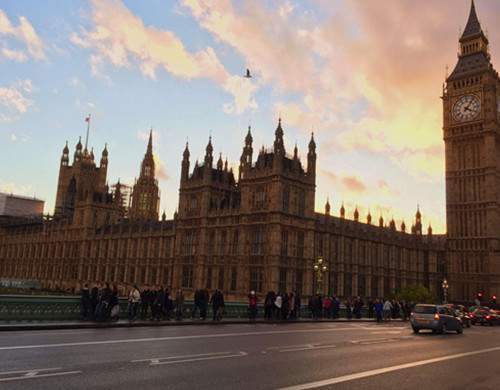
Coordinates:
<point>16,347</point>
<point>370,341</point>
<point>238,354</point>
<point>33,374</point>
<point>307,348</point>
<point>180,357</point>
<point>351,377</point>
<point>33,370</point>
<point>389,332</point>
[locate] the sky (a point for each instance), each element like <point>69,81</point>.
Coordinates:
<point>365,76</point>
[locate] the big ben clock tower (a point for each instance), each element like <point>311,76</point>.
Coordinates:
<point>471,115</point>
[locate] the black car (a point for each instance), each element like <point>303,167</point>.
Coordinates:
<point>484,315</point>
<point>462,313</point>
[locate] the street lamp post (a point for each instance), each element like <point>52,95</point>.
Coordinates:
<point>445,287</point>
<point>320,270</point>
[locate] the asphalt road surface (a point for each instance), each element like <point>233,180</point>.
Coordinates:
<point>251,356</point>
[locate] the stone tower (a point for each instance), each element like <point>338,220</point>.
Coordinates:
<point>145,199</point>
<point>471,124</point>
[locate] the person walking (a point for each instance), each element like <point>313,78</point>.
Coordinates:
<point>145,302</point>
<point>252,305</point>
<point>85,302</point>
<point>278,303</point>
<point>134,297</point>
<point>179,304</point>
<point>387,309</point>
<point>197,302</point>
<point>203,304</point>
<point>113,303</point>
<point>217,301</point>
<point>379,307</point>
<point>94,299</point>
<point>269,305</point>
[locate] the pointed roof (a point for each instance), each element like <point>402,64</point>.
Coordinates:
<point>473,27</point>
<point>150,143</point>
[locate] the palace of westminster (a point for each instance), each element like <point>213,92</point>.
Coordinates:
<point>259,231</point>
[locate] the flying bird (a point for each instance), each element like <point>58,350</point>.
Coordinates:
<point>248,75</point>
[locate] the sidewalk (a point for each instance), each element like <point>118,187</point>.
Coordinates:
<point>124,323</point>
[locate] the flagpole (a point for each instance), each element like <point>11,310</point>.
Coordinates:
<point>88,128</point>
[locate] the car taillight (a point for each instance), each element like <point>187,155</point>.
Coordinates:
<point>488,317</point>
<point>436,316</point>
<point>471,316</point>
<point>411,315</point>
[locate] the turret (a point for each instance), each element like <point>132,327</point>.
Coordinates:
<point>104,157</point>
<point>369,218</point>
<point>78,151</point>
<point>246,155</point>
<point>209,154</point>
<point>342,211</point>
<point>327,207</point>
<point>185,165</point>
<point>356,214</point>
<point>65,156</point>
<point>311,160</point>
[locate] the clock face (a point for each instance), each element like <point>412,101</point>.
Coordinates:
<point>466,108</point>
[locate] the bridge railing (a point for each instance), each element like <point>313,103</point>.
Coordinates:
<point>42,308</point>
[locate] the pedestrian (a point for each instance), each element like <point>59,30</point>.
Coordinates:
<point>285,306</point>
<point>252,305</point>
<point>152,301</point>
<point>85,302</point>
<point>293,313</point>
<point>379,307</point>
<point>278,302</point>
<point>336,307</point>
<point>297,304</point>
<point>358,304</point>
<point>197,302</point>
<point>326,307</point>
<point>371,306</point>
<point>113,303</point>
<point>133,300</point>
<point>94,297</point>
<point>169,304</point>
<point>217,301</point>
<point>316,306</point>
<point>269,305</point>
<point>145,301</point>
<point>179,304</point>
<point>204,303</point>
<point>159,302</point>
<point>348,308</point>
<point>387,310</point>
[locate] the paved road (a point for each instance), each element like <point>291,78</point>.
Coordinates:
<point>248,356</point>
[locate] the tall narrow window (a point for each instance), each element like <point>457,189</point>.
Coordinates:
<point>286,200</point>
<point>221,278</point>
<point>235,242</point>
<point>233,279</point>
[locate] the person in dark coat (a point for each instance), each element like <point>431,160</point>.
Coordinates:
<point>85,302</point>
<point>94,299</point>
<point>204,302</point>
<point>159,302</point>
<point>152,301</point>
<point>145,302</point>
<point>217,302</point>
<point>113,303</point>
<point>168,304</point>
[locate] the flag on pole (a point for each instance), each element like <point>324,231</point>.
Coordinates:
<point>87,119</point>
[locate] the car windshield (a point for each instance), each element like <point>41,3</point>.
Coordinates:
<point>425,309</point>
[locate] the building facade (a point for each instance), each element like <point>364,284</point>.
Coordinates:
<point>471,117</point>
<point>258,231</point>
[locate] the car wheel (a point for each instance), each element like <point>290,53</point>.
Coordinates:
<point>460,329</point>
<point>415,330</point>
<point>444,329</point>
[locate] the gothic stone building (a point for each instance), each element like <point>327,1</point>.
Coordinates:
<point>258,231</point>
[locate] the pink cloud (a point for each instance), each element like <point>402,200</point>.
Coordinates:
<point>125,41</point>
